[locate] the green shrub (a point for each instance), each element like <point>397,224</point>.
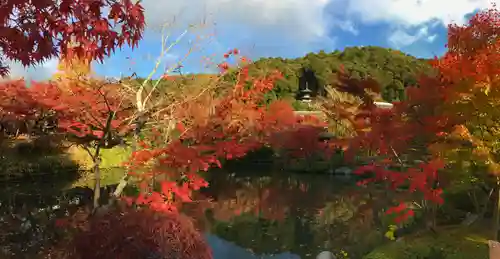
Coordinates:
<point>301,106</point>
<point>449,244</point>
<point>41,167</point>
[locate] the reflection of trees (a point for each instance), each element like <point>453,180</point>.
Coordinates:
<point>258,234</point>
<point>28,215</point>
<point>268,197</point>
<point>266,214</point>
<point>298,214</point>
<point>349,222</point>
<point>34,172</point>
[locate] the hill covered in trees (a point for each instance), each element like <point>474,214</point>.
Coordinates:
<point>392,69</point>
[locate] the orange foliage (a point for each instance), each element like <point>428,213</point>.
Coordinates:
<point>435,113</point>
<point>226,127</point>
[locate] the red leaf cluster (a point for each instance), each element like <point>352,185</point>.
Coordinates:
<point>400,137</point>
<point>139,234</point>
<point>22,112</point>
<point>34,31</point>
<point>83,111</point>
<point>238,123</point>
<point>401,211</point>
<point>80,111</point>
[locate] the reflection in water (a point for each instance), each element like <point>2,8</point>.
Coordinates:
<point>300,214</point>
<point>223,249</point>
<point>284,216</point>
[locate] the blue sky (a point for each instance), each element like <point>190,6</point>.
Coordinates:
<point>279,28</point>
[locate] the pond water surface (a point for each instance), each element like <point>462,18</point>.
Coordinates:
<point>296,214</point>
<point>281,216</point>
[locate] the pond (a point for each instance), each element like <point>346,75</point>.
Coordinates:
<point>252,215</point>
<point>302,214</point>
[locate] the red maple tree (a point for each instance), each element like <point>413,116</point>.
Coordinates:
<point>401,138</point>
<point>234,124</point>
<point>34,31</point>
<point>394,141</point>
<point>20,110</point>
<point>90,112</point>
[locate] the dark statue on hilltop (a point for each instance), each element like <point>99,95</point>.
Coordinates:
<point>309,86</point>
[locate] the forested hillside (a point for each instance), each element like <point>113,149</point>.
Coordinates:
<point>391,68</point>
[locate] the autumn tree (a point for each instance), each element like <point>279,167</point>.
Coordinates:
<point>131,233</point>
<point>35,31</point>
<point>212,128</point>
<point>392,142</point>
<point>94,115</point>
<point>72,69</point>
<point>447,120</point>
<point>154,104</point>
<point>470,75</point>
<point>21,113</point>
<point>111,233</point>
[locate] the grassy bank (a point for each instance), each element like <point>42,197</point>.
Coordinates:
<point>111,165</point>
<point>24,161</point>
<point>454,242</point>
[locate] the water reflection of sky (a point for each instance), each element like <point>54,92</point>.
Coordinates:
<point>287,216</point>
<point>223,249</point>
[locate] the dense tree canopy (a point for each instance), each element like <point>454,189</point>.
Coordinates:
<point>391,69</point>
<point>34,31</point>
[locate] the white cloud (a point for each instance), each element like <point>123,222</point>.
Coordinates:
<point>37,73</point>
<point>348,26</point>
<point>414,12</point>
<point>306,17</point>
<point>302,22</point>
<point>431,38</point>
<point>401,38</point>
<point>306,22</point>
<point>404,16</point>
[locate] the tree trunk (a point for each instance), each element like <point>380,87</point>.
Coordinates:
<point>139,124</point>
<point>97,161</point>
<point>432,224</point>
<point>496,211</point>
<point>97,177</point>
